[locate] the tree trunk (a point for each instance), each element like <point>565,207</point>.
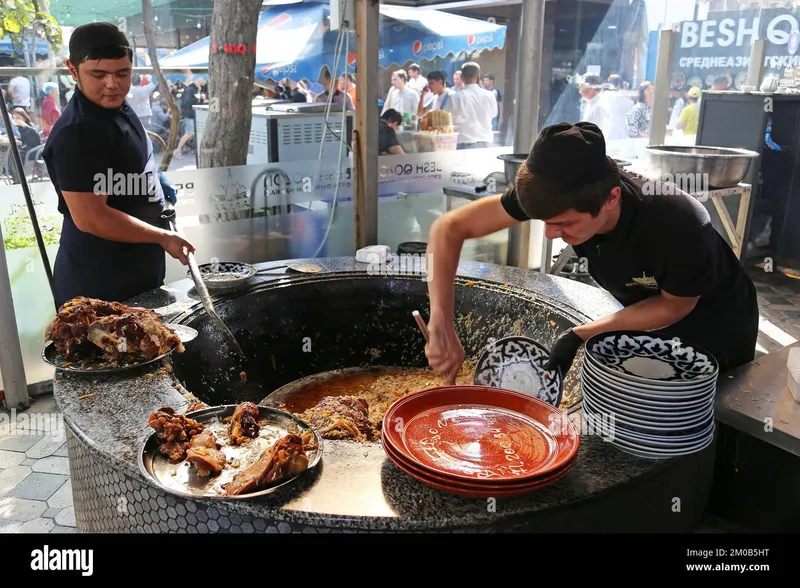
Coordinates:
<point>163,86</point>
<point>230,89</point>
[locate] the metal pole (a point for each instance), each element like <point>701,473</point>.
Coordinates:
<point>17,161</point>
<point>666,51</point>
<point>756,67</point>
<point>365,150</point>
<point>529,76</point>
<point>12,366</point>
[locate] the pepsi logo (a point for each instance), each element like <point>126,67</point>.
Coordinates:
<point>470,40</point>
<point>281,21</point>
<point>351,58</point>
<point>479,39</point>
<point>417,47</point>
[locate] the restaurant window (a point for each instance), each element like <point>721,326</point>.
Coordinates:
<point>267,194</point>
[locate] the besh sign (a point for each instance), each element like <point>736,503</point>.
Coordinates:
<point>721,44</point>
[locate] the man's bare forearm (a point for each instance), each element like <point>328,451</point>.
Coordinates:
<point>116,225</point>
<point>444,251</point>
<point>647,315</point>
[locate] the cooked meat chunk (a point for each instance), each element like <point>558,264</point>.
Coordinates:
<point>205,456</point>
<point>342,417</point>
<point>83,324</point>
<point>283,461</point>
<point>244,424</point>
<point>175,432</point>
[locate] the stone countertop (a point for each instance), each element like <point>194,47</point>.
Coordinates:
<point>756,400</point>
<point>356,486</point>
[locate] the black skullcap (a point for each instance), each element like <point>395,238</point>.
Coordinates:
<point>98,40</point>
<point>570,155</point>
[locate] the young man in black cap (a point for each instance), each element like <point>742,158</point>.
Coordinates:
<point>658,255</point>
<point>101,162</point>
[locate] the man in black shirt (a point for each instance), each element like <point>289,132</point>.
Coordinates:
<point>658,255</point>
<point>388,144</point>
<point>101,163</point>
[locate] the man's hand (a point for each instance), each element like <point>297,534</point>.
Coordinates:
<point>177,247</point>
<point>444,351</point>
<point>564,351</point>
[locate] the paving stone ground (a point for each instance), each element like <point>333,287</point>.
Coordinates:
<point>35,489</point>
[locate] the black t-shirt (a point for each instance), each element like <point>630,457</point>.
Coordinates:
<point>188,99</point>
<point>99,150</point>
<point>667,242</point>
<point>387,138</point>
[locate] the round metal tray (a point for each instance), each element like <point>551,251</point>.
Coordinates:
<point>180,478</point>
<point>93,364</point>
<point>719,167</point>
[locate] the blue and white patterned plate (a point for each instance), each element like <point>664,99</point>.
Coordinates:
<point>517,363</point>
<point>644,356</point>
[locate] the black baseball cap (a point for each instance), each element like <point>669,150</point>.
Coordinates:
<point>571,155</point>
<point>98,40</point>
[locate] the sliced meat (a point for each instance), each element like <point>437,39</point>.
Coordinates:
<point>244,423</point>
<point>175,431</point>
<point>205,456</point>
<point>283,461</point>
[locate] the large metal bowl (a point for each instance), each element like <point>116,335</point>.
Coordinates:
<point>721,167</point>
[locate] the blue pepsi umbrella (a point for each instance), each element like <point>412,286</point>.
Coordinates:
<point>7,48</point>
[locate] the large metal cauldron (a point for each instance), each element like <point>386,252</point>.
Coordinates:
<point>346,320</point>
<point>721,167</point>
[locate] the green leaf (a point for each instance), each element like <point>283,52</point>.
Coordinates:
<point>12,24</point>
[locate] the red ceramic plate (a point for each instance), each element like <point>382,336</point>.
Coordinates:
<point>475,433</point>
<point>478,490</point>
<point>480,486</point>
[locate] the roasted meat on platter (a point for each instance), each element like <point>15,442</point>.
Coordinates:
<point>205,455</point>
<point>286,459</point>
<point>342,417</point>
<point>113,327</point>
<point>244,423</point>
<point>175,431</point>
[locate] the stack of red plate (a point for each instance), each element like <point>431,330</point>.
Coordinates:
<point>480,442</point>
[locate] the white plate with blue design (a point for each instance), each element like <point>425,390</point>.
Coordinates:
<point>517,364</point>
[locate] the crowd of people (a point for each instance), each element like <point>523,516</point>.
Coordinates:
<point>621,117</point>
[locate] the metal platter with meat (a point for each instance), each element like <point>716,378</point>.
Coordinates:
<point>89,335</point>
<point>228,452</point>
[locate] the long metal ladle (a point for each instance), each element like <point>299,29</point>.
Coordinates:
<point>169,216</point>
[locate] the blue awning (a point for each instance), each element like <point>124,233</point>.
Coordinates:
<point>294,41</point>
<point>6,47</point>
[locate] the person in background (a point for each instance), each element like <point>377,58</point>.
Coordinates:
<point>50,108</point>
<point>189,98</point>
<point>438,90</point>
<point>416,81</point>
<point>458,82</point>
<point>66,85</point>
<point>390,121</point>
<point>641,115</point>
<point>619,105</point>
<point>347,83</point>
<point>139,98</point>
<point>339,97</point>
<point>295,92</point>
<point>473,109</point>
<point>400,97</point>
<point>28,133</point>
<point>720,84</point>
<point>20,90</point>
<point>689,115</point>
<point>596,107</point>
<point>488,84</point>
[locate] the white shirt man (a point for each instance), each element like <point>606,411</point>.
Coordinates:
<point>619,105</point>
<point>597,108</point>
<point>20,89</point>
<point>473,109</point>
<point>416,81</point>
<point>437,95</point>
<point>400,97</point>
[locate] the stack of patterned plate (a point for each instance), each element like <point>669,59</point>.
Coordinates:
<point>478,441</point>
<point>652,395</point>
